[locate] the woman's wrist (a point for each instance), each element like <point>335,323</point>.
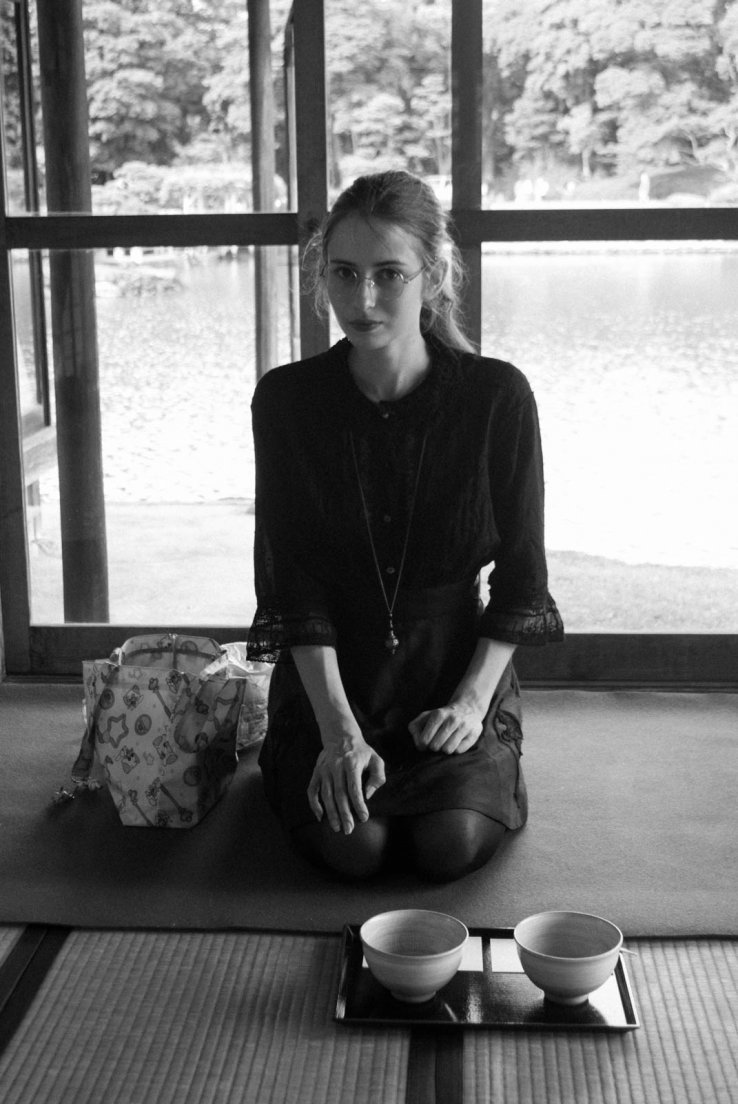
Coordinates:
<point>340,734</point>
<point>470,705</point>
<point>317,666</point>
<point>477,688</point>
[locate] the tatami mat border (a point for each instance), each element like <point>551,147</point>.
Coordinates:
<point>9,934</point>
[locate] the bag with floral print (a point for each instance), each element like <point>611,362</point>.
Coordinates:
<point>162,720</point>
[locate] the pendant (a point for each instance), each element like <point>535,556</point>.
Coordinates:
<point>391,642</point>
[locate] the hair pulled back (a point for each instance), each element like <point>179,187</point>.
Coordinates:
<point>403,200</point>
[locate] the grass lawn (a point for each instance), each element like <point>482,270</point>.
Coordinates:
<point>595,594</point>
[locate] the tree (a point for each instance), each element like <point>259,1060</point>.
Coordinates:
<point>616,85</point>
<point>388,84</point>
<point>146,66</point>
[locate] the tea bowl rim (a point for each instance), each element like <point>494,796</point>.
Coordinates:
<point>401,957</point>
<point>615,948</point>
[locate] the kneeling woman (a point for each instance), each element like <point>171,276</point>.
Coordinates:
<point>389,471</point>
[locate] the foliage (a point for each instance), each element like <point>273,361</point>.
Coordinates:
<point>623,86</point>
<point>388,85</point>
<point>575,91</point>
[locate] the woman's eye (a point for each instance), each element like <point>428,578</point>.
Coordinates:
<point>344,273</point>
<point>389,276</point>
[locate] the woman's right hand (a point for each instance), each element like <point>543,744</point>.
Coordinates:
<point>347,772</point>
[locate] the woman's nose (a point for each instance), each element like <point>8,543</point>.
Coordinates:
<point>366,290</point>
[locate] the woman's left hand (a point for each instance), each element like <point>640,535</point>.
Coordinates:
<point>452,729</point>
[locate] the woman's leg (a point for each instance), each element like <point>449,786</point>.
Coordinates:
<point>452,842</point>
<point>361,854</point>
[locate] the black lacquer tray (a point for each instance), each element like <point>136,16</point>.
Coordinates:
<point>490,990</point>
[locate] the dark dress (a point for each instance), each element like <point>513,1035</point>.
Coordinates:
<point>479,501</point>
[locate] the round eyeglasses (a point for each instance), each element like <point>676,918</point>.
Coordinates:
<point>342,281</point>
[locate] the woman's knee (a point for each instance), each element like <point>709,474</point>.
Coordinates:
<point>451,843</point>
<point>359,855</point>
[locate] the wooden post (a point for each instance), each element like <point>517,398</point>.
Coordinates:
<point>15,610</point>
<point>32,192</point>
<point>263,165</point>
<point>312,150</point>
<point>73,317</point>
<point>466,141</point>
<point>288,66</point>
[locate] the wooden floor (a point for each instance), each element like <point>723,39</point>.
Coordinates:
<point>121,1017</point>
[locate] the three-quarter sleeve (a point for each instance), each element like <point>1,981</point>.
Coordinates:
<point>293,605</point>
<point>520,609</point>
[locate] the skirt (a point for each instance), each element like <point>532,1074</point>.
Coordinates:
<point>438,632</point>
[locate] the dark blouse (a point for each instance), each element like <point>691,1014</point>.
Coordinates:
<point>479,497</point>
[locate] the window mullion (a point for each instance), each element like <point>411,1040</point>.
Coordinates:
<point>311,140</point>
<point>466,143</point>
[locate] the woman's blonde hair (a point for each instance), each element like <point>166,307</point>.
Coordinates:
<point>403,200</point>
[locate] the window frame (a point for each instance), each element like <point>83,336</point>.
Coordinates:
<point>683,661</point>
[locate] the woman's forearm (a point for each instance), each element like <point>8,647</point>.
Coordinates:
<point>317,666</point>
<point>486,667</point>
<point>455,727</point>
<point>347,771</point>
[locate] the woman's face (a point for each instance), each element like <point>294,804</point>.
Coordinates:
<point>370,315</point>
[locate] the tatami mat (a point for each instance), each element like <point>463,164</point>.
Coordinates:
<point>683,1053</point>
<point>194,1018</point>
<point>220,1018</point>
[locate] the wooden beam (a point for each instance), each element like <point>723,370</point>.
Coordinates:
<point>548,223</point>
<point>701,661</point>
<point>644,660</point>
<point>149,231</point>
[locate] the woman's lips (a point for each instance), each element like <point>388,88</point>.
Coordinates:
<point>364,325</point>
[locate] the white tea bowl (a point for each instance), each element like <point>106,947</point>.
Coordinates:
<point>567,954</point>
<point>413,952</point>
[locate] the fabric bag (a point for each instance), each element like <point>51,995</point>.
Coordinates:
<point>162,719</point>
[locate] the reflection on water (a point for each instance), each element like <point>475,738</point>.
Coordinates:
<point>633,357</point>
<point>634,361</point>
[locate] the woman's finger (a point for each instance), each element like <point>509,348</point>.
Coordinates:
<point>356,796</point>
<point>424,728</point>
<point>375,777</point>
<point>444,731</point>
<point>328,801</point>
<point>345,821</point>
<point>313,791</point>
<point>467,742</point>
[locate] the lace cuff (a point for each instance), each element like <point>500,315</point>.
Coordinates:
<point>272,633</point>
<point>524,626</point>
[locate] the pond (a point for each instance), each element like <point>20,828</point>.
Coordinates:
<point>633,356</point>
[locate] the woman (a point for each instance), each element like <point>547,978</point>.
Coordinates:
<point>389,471</point>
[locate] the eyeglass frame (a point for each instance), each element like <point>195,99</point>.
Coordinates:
<point>379,293</point>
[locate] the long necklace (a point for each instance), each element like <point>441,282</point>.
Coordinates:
<point>391,642</point>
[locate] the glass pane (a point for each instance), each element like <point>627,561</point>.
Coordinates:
<point>168,110</point>
<point>389,93</point>
<point>633,356</point>
<point>175,333</point>
<point>627,104</point>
